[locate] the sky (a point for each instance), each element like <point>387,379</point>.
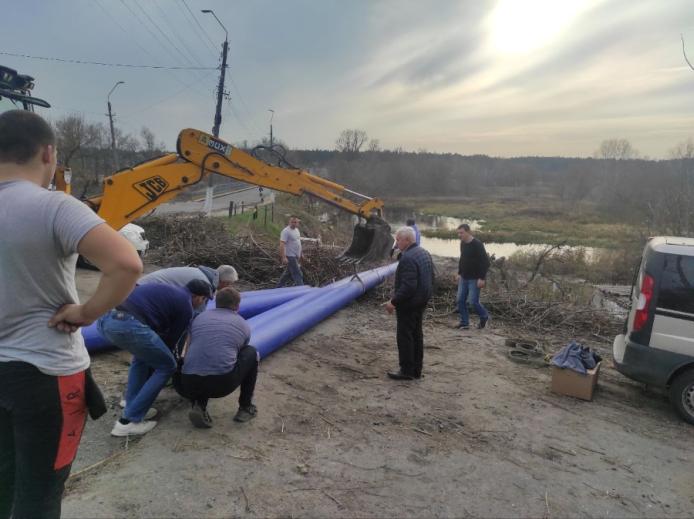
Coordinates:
<point>503,78</point>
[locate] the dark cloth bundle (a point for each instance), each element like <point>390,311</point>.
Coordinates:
<point>576,357</point>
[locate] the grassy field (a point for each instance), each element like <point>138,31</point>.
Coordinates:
<point>522,220</point>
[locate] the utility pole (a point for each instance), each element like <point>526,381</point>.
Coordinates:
<point>110,120</point>
<point>272,114</point>
<point>218,111</point>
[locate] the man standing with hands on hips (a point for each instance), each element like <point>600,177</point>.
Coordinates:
<point>472,271</point>
<point>290,253</point>
<point>414,281</point>
<point>43,361</point>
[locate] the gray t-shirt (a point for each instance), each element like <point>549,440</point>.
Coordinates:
<point>39,232</point>
<point>177,276</point>
<point>215,340</point>
<point>292,240</point>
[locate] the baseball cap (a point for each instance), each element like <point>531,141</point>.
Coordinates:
<point>199,287</point>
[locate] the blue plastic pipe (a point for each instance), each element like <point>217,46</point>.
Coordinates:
<point>278,326</point>
<point>253,302</point>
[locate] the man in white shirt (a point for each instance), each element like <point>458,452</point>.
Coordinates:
<point>290,253</point>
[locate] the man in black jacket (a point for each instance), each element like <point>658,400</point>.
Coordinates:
<point>472,271</point>
<point>414,279</point>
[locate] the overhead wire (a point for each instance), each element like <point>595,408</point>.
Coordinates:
<point>156,26</point>
<point>102,64</point>
<point>178,34</point>
<point>198,24</point>
<point>166,98</point>
<point>243,102</point>
<point>159,42</point>
<point>188,15</point>
<point>189,85</point>
<point>152,34</point>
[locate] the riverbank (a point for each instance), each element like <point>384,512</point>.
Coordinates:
<point>526,220</point>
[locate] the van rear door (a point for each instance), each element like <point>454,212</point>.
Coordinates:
<point>673,320</point>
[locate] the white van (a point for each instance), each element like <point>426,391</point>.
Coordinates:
<point>657,347</point>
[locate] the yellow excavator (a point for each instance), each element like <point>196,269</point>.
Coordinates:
<point>134,192</point>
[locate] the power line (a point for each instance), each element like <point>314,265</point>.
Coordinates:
<point>177,34</point>
<point>156,26</point>
<point>129,33</point>
<point>153,35</point>
<point>198,23</point>
<point>83,62</point>
<point>245,105</point>
<point>156,38</point>
<point>197,28</point>
<point>166,98</point>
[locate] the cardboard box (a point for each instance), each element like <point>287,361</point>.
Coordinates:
<point>571,383</point>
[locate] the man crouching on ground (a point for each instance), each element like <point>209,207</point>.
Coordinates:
<point>219,360</point>
<point>414,280</point>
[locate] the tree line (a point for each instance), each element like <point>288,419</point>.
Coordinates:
<point>657,194</point>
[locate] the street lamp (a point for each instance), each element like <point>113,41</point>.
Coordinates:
<point>210,11</point>
<point>110,119</point>
<point>218,112</point>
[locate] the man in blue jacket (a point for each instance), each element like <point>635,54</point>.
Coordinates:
<point>414,280</point>
<point>149,324</point>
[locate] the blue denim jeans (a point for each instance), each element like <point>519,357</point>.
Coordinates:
<point>467,289</point>
<point>293,272</point>
<point>149,351</point>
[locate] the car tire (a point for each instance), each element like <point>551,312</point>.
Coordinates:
<point>682,395</point>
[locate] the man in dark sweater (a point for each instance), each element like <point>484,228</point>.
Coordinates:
<point>149,324</point>
<point>472,272</point>
<point>414,280</point>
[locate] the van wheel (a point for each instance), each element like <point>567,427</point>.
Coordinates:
<point>682,395</point>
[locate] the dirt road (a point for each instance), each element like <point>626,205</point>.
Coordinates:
<point>478,436</point>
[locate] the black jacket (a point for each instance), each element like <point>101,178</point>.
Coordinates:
<point>474,261</point>
<point>414,278</point>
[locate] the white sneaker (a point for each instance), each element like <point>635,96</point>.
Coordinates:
<point>122,403</point>
<point>133,428</point>
<point>151,412</point>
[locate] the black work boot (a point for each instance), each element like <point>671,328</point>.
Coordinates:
<point>245,413</point>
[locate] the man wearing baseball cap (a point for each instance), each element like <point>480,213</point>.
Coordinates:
<point>149,324</point>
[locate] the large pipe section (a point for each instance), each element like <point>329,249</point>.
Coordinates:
<point>253,302</point>
<point>278,326</point>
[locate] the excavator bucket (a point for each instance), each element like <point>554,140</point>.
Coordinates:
<point>372,241</point>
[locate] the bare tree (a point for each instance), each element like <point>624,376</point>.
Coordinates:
<point>351,141</point>
<point>149,142</point>
<point>618,149</point>
<point>73,133</point>
<point>374,145</point>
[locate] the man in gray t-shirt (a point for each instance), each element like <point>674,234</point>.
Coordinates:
<point>290,253</point>
<point>218,360</point>
<point>43,361</point>
<point>222,276</point>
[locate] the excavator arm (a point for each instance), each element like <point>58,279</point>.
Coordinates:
<point>133,192</point>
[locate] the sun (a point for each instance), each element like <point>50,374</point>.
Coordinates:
<point>522,26</point>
